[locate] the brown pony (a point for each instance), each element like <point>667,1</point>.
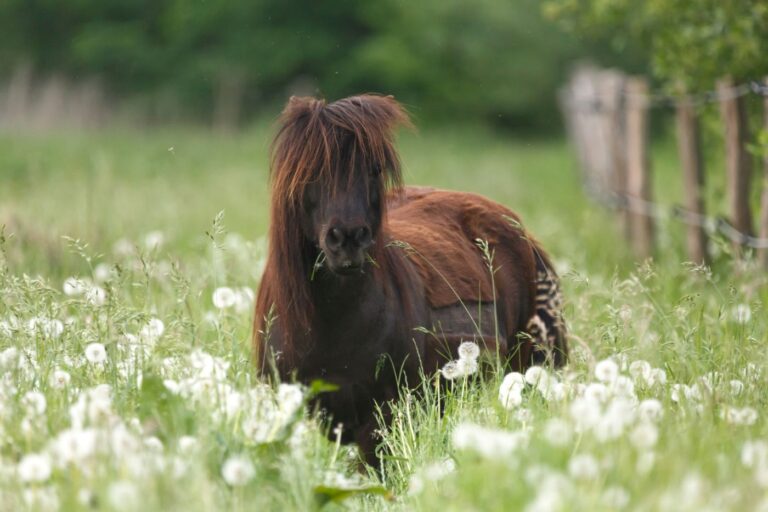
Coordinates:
<point>368,282</point>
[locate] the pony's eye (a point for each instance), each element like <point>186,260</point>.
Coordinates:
<point>376,170</point>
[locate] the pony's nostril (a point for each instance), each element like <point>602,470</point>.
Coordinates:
<point>334,238</point>
<point>363,236</point>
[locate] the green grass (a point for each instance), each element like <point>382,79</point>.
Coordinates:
<point>102,190</point>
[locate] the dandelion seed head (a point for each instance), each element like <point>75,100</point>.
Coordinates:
<point>34,468</point>
<point>583,467</point>
<point>606,370</point>
<point>96,296</point>
<point>60,379</point>
<point>558,432</point>
<point>469,350</point>
<point>467,366</point>
<point>644,436</point>
<point>741,313</point>
<point>34,402</point>
<point>237,471</point>
<point>451,370</point>
<point>224,297</point>
<point>95,353</point>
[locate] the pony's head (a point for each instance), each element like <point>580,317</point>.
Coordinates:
<point>331,166</point>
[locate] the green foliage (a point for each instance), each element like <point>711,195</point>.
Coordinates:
<point>690,43</point>
<point>484,60</point>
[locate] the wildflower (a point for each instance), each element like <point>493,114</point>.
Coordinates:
<point>75,286</point>
<point>491,443</point>
<point>606,370</point>
<point>123,248</point>
<point>736,386</point>
<point>523,415</point>
<point>451,370</point>
<point>645,462</point>
<point>51,328</point>
<point>102,272</point>
<point>123,495</point>
<point>244,299</point>
<point>615,498</point>
<point>535,374</point>
<point>59,379</point>
<point>34,468</point>
<point>650,410</point>
<point>74,446</point>
<point>557,432</point>
<point>640,371</point>
<point>754,453</point>
<point>154,240</point>
<point>736,416</point>
<point>597,392</point>
<point>467,366</point>
<point>741,313</point>
<point>583,467</point>
<point>237,471</point>
<point>511,390</point>
<point>656,377</point>
<point>469,350</point>
<point>224,297</point>
<point>152,331</point>
<point>34,402</point>
<point>187,444</point>
<point>9,358</point>
<point>96,296</point>
<point>644,436</point>
<point>95,353</point>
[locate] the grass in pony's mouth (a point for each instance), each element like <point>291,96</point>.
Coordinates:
<point>662,406</point>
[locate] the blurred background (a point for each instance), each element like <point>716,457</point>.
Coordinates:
<point>225,63</point>
<point>123,117</point>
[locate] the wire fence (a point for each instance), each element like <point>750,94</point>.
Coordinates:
<point>606,115</point>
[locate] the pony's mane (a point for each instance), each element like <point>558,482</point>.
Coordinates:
<point>323,143</point>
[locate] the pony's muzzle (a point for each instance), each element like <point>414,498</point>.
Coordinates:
<point>345,247</point>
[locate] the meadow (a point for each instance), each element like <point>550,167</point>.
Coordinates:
<point>128,262</point>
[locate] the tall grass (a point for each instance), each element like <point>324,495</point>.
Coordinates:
<point>183,424</point>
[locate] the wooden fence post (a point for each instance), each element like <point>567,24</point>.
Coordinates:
<point>763,253</point>
<point>611,89</point>
<point>689,150</point>
<point>638,168</point>
<point>737,160</point>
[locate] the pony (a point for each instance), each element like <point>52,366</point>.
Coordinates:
<point>370,284</point>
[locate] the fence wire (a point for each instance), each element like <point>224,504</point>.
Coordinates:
<point>711,225</point>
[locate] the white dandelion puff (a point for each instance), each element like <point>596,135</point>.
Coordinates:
<point>34,467</point>
<point>224,297</point>
<point>644,436</point>
<point>469,350</point>
<point>583,467</point>
<point>650,410</point>
<point>451,370</point>
<point>96,296</point>
<point>95,353</point>
<point>741,313</point>
<point>59,379</point>
<point>237,471</point>
<point>511,390</point>
<point>606,370</point>
<point>154,240</point>
<point>34,402</point>
<point>557,432</point>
